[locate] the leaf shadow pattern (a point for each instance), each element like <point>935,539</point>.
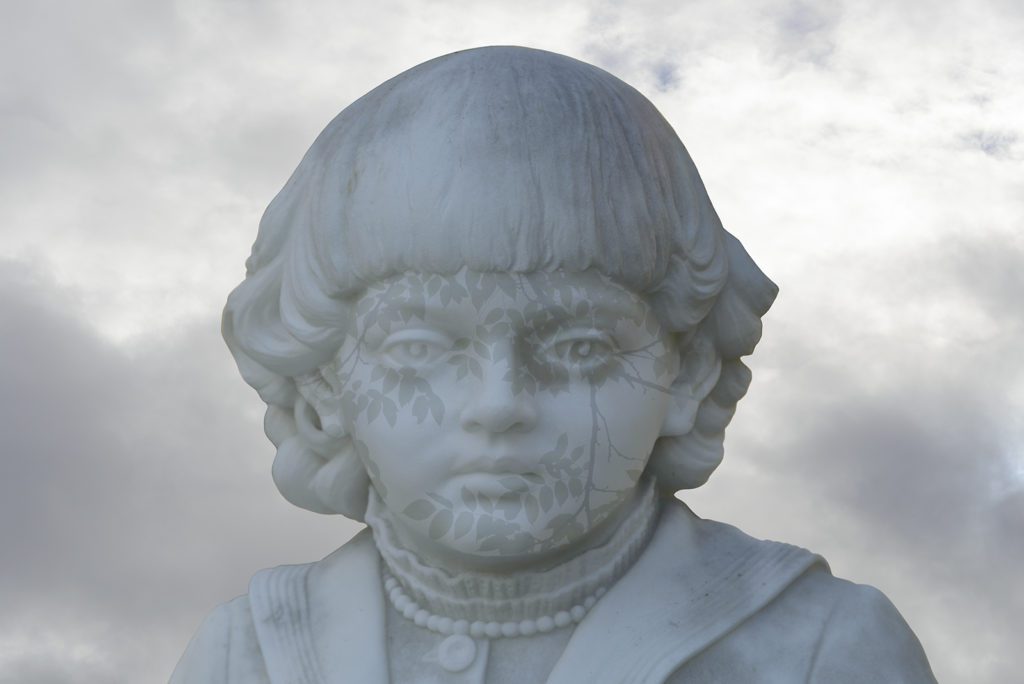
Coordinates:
<point>540,359</point>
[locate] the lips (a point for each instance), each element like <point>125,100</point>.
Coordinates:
<point>497,484</point>
<point>497,465</point>
<point>494,473</point>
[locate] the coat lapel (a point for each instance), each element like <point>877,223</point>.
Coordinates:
<point>323,623</point>
<point>696,581</point>
<point>280,611</point>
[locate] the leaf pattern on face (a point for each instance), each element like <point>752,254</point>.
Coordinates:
<point>532,508</point>
<point>463,524</point>
<point>440,524</point>
<point>547,498</point>
<point>441,501</point>
<point>521,340</point>
<point>420,509</point>
<point>506,525</point>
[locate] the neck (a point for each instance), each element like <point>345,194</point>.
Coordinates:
<point>455,562</point>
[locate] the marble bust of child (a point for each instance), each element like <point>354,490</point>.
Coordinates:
<point>494,315</point>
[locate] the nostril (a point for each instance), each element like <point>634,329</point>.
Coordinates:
<point>513,416</point>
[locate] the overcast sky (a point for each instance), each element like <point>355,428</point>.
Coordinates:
<point>868,154</point>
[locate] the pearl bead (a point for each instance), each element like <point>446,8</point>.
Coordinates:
<point>479,629</point>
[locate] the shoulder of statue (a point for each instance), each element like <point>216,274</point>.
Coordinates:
<point>864,638</point>
<point>719,552</point>
<point>266,636</point>
<point>323,618</point>
<point>839,631</point>
<point>224,650</point>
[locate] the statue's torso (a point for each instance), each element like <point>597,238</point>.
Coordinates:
<point>704,603</point>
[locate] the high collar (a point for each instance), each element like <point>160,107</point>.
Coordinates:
<point>524,595</point>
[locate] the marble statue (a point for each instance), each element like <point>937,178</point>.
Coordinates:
<point>494,315</point>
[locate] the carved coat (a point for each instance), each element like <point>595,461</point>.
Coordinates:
<point>703,603</point>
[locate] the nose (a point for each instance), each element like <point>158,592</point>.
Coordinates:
<point>495,407</point>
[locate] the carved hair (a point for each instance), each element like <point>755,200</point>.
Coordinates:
<point>495,159</point>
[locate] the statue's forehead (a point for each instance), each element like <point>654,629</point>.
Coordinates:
<point>492,293</point>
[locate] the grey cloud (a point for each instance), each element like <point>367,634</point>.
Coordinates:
<point>666,75</point>
<point>655,45</point>
<point>134,489</point>
<point>801,19</point>
<point>65,66</point>
<point>916,460</point>
<point>805,32</point>
<point>36,670</point>
<point>912,470</point>
<point>999,144</point>
<point>974,275</point>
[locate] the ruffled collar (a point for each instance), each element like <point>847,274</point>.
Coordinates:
<point>527,595</point>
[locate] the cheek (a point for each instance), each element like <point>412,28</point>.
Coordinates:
<point>395,457</point>
<point>630,425</point>
<point>388,403</point>
<point>641,410</point>
<point>399,424</point>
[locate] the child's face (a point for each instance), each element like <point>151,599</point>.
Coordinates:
<point>502,415</point>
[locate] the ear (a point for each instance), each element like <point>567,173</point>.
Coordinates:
<point>319,396</point>
<point>699,369</point>
<point>332,478</point>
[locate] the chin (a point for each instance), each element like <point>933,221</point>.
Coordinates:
<point>512,541</point>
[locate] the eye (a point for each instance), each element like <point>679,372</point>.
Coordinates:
<point>580,350</point>
<point>415,347</point>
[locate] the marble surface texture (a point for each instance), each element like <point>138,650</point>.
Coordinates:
<point>494,315</point>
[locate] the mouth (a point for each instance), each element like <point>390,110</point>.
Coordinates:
<point>498,484</point>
